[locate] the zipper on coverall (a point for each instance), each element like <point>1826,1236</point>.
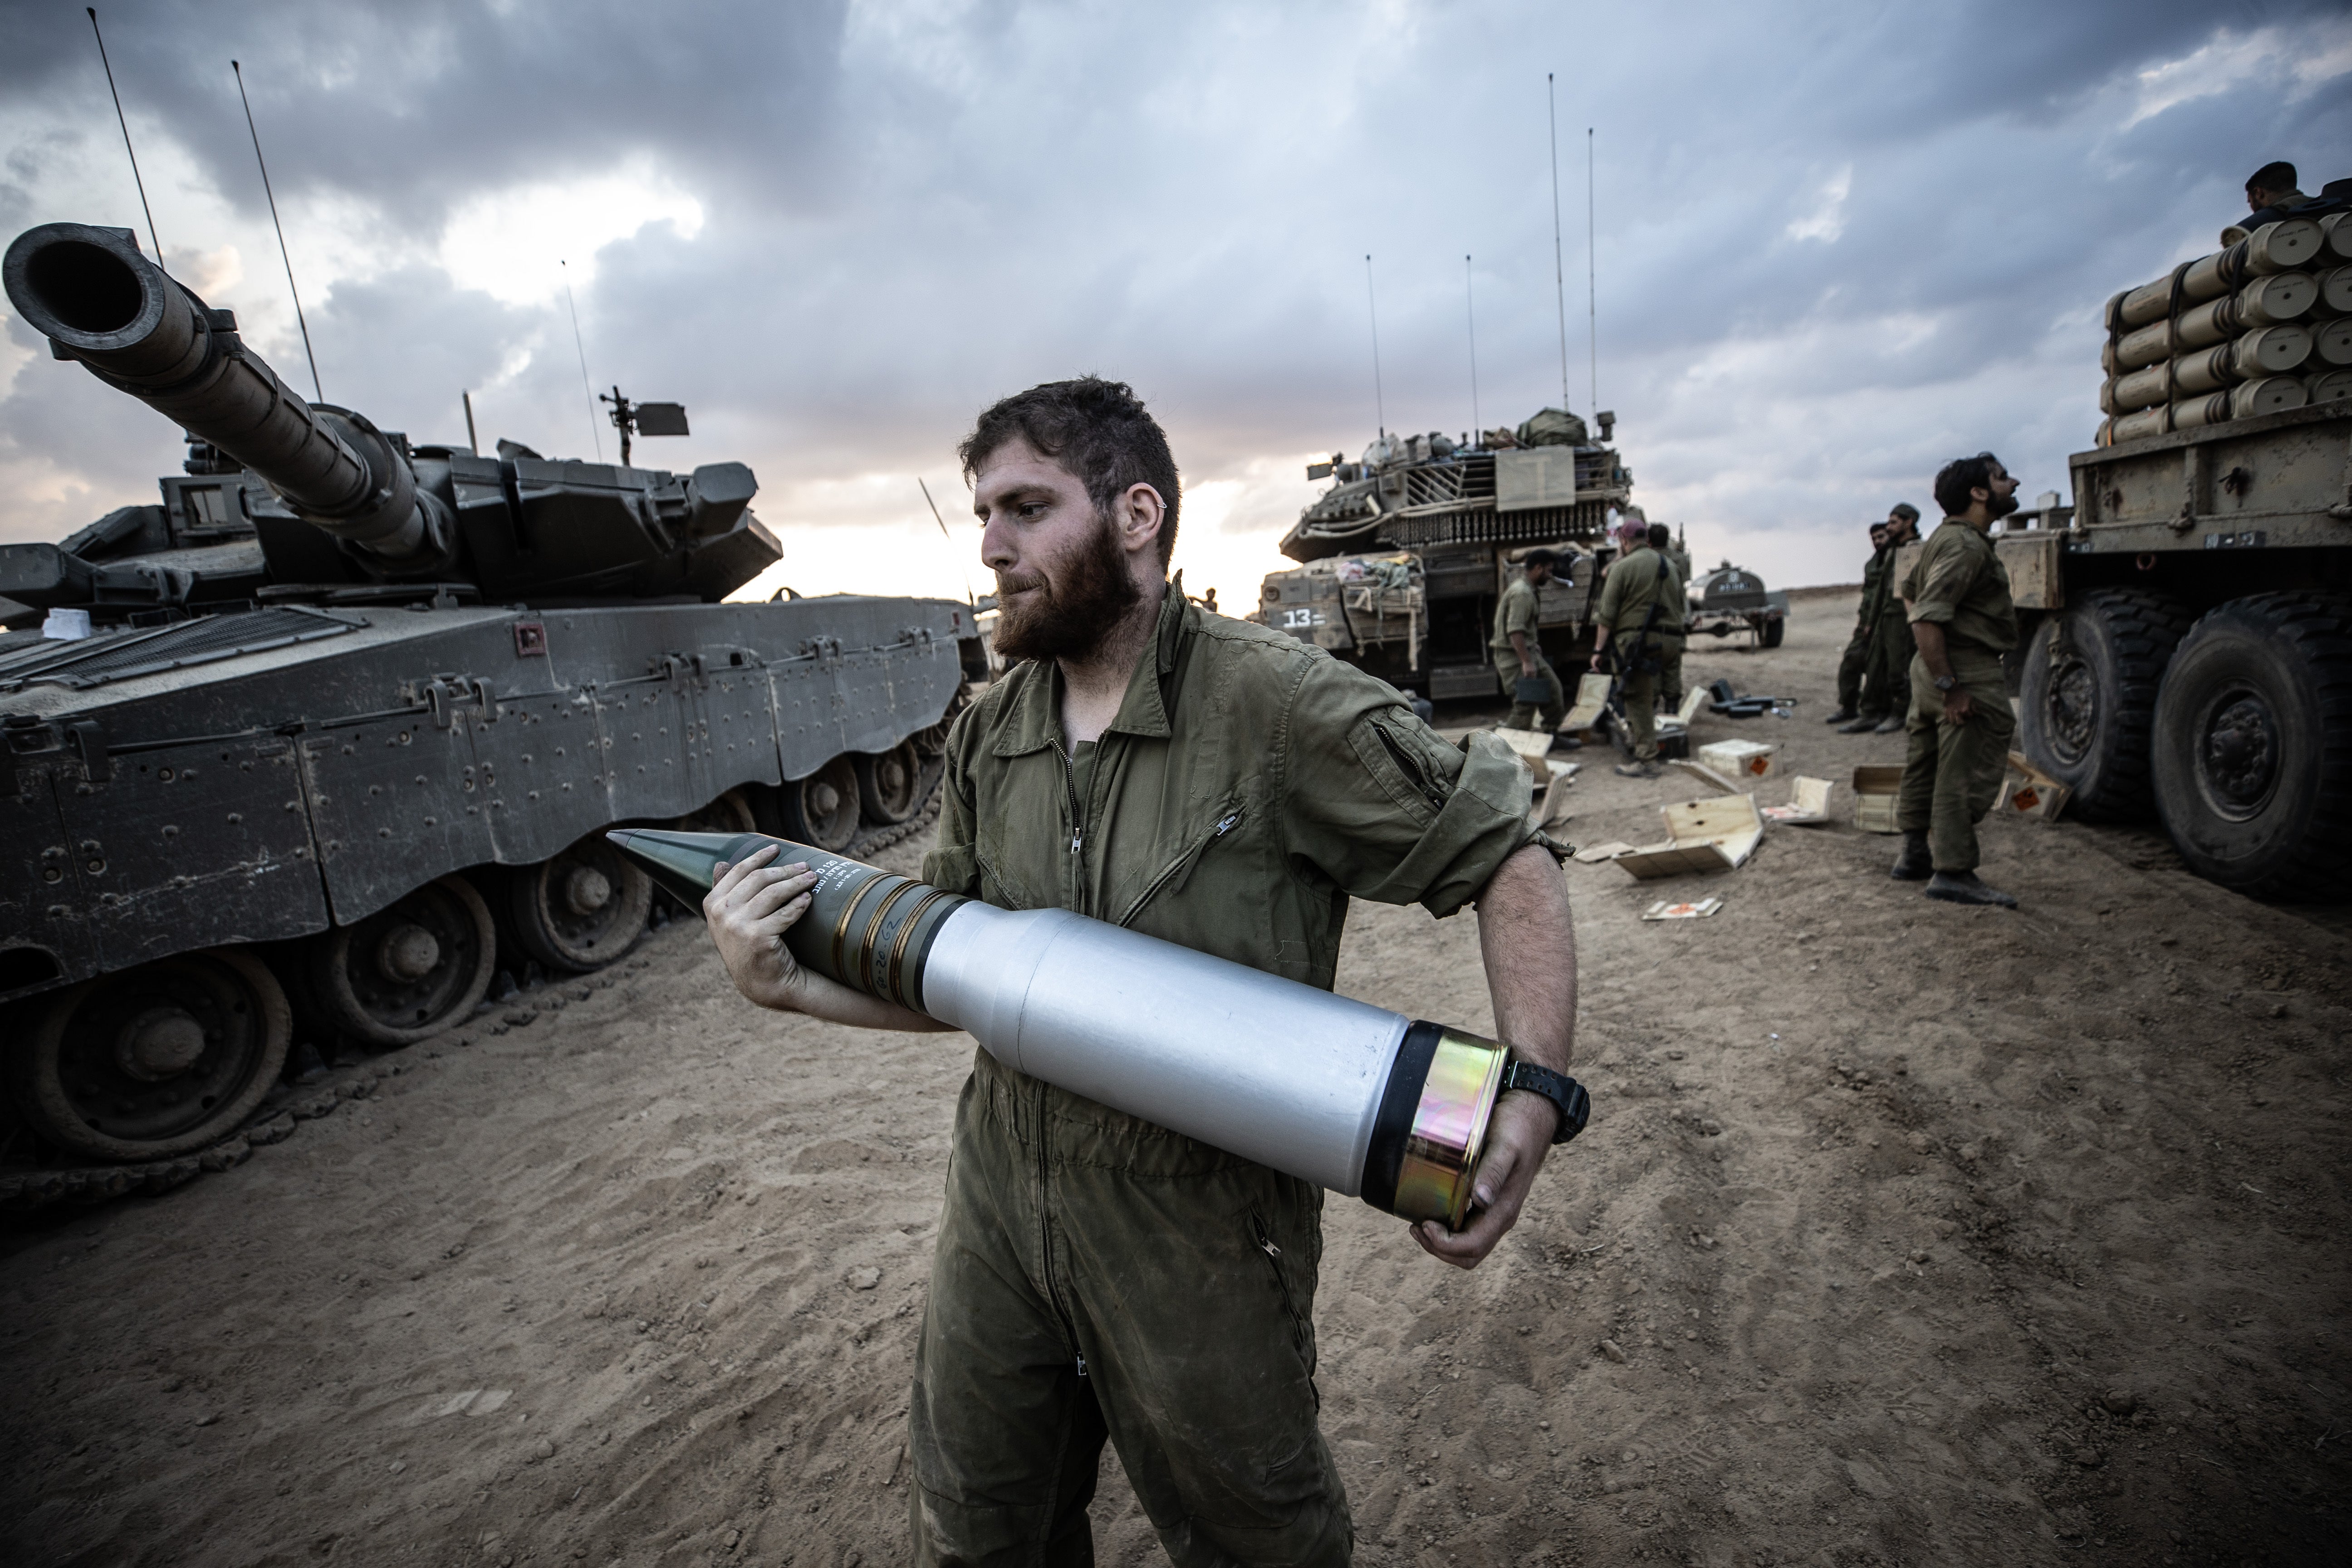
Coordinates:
<point>1077,873</point>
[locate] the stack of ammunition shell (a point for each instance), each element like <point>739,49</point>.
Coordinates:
<point>2262,326</point>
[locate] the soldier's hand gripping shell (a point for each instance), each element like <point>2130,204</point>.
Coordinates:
<point>750,907</point>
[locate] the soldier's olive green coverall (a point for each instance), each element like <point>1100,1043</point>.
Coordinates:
<point>1862,648</point>
<point>1952,772</point>
<point>1098,1276</point>
<point>1637,580</point>
<point>1515,611</point>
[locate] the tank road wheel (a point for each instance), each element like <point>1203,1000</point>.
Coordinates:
<point>157,1061</point>
<point>2253,746</point>
<point>891,786</point>
<point>731,813</point>
<point>581,909</point>
<point>822,809</point>
<point>2087,697</point>
<point>409,971</point>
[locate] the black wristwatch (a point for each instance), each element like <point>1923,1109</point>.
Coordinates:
<point>1567,1095</point>
<point>1943,682</point>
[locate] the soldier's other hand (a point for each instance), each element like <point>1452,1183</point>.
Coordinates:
<point>750,907</point>
<point>1957,708</point>
<point>1517,1138</point>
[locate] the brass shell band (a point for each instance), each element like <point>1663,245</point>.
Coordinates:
<point>1432,1124</point>
<point>841,970</point>
<point>869,964</point>
<point>896,988</point>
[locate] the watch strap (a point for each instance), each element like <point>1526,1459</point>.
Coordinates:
<point>1567,1096</point>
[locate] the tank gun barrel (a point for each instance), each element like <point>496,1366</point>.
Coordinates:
<point>100,301</point>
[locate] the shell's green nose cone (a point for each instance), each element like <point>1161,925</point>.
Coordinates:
<point>685,864</point>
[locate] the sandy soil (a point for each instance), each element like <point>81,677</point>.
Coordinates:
<point>1902,1232</point>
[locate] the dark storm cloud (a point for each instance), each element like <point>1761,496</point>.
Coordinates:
<point>908,210</point>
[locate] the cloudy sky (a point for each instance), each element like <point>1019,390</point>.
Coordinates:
<point>1836,243</point>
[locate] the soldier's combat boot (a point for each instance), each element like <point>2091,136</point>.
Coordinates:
<point>1966,887</point>
<point>1860,726</point>
<point>1915,864</point>
<point>1889,725</point>
<point>1843,716</point>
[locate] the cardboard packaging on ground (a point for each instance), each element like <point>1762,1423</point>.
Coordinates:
<point>1703,835</point>
<point>2030,791</point>
<point>1742,759</point>
<point>1809,802</point>
<point>1875,786</point>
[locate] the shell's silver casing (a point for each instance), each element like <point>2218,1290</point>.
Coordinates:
<point>1265,1067</point>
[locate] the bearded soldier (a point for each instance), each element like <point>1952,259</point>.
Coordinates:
<point>1217,785</point>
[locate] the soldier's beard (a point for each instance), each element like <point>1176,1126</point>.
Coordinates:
<point>1067,610</point>
<point>2002,506</point>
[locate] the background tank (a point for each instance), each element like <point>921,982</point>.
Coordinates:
<point>1407,551</point>
<point>352,714</point>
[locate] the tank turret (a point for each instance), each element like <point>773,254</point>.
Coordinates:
<point>291,501</point>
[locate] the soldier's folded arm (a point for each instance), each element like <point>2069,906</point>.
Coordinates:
<point>1385,809</point>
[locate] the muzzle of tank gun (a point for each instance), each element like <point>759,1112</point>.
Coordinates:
<point>1354,1098</point>
<point>98,301</point>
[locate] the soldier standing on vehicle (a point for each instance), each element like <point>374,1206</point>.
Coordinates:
<point>1519,655</point>
<point>1855,664</point>
<point>1640,616</point>
<point>1225,787</point>
<point>1670,664</point>
<point>1960,722</point>
<point>1886,685</point>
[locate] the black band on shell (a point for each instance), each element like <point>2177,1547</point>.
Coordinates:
<point>1400,1100</point>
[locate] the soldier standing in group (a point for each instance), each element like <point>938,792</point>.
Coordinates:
<point>1886,684</point>
<point>1855,662</point>
<point>1519,655</point>
<point>1642,616</point>
<point>1670,664</point>
<point>1960,723</point>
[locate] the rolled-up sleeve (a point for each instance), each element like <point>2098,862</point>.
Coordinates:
<point>1385,807</point>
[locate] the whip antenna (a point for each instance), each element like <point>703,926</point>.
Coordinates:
<point>125,123</point>
<point>1592,296</point>
<point>283,255</point>
<point>595,435</point>
<point>1371,298</point>
<point>1470,305</point>
<point>1558,268</point>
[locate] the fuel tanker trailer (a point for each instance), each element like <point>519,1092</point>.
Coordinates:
<point>1356,1099</point>
<point>331,734</point>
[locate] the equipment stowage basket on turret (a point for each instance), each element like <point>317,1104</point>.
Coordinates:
<point>331,737</point>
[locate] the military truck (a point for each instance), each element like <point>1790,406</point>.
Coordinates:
<point>1408,550</point>
<point>330,734</point>
<point>1730,600</point>
<point>2187,644</point>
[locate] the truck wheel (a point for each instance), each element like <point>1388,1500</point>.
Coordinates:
<point>2253,746</point>
<point>581,909</point>
<point>889,787</point>
<point>1774,630</point>
<point>822,809</point>
<point>2088,697</point>
<point>159,1061</point>
<point>409,971</point>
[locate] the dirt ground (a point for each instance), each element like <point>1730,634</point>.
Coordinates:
<point>1902,1232</point>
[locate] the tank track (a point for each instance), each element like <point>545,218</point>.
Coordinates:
<point>23,1190</point>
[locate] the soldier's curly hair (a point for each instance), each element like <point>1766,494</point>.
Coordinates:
<point>1098,430</point>
<point>1960,476</point>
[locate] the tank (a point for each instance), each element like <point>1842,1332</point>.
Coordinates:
<point>328,738</point>
<point>1406,552</point>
